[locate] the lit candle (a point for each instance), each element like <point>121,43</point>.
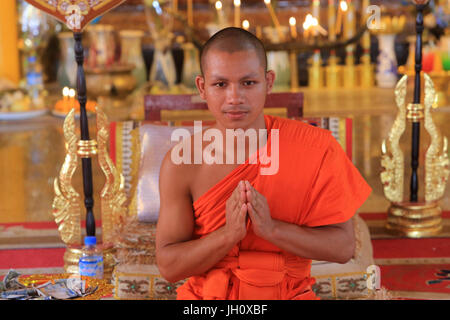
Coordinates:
<point>350,21</point>
<point>365,41</point>
<point>237,13</point>
<point>317,27</point>
<point>315,10</point>
<point>245,24</point>
<point>274,19</point>
<point>65,93</point>
<point>293,25</point>
<point>190,14</point>
<point>342,8</point>
<point>307,26</point>
<point>332,21</point>
<point>220,13</point>
<point>72,98</point>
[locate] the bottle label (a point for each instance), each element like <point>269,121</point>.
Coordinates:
<point>91,266</point>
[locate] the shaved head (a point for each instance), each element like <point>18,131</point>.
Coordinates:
<point>232,40</point>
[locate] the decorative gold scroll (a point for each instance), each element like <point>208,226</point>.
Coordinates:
<point>113,196</point>
<point>436,157</point>
<point>393,166</point>
<point>66,204</point>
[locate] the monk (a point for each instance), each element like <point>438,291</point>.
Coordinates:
<point>234,232</point>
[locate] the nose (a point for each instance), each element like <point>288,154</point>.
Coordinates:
<point>234,95</point>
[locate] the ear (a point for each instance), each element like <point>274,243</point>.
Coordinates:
<point>200,83</point>
<point>270,79</point>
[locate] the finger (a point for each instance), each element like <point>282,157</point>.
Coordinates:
<point>248,195</point>
<point>251,189</point>
<point>258,197</point>
<point>233,201</point>
<point>241,185</point>
<point>243,213</point>
<point>254,198</point>
<point>251,212</point>
<point>242,194</point>
<point>237,193</point>
<point>233,194</point>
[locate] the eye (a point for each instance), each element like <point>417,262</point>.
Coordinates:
<point>220,84</point>
<point>249,82</point>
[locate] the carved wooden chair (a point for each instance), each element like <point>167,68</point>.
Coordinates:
<point>137,148</point>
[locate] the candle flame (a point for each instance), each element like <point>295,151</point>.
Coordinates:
<point>309,20</point>
<point>218,5</point>
<point>72,93</point>
<point>65,91</point>
<point>237,3</point>
<point>343,5</point>
<point>245,24</point>
<point>292,21</point>
<point>267,1</point>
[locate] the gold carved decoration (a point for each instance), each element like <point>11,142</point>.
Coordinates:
<point>66,204</point>
<point>420,218</point>
<point>113,196</point>
<point>393,166</point>
<point>436,158</point>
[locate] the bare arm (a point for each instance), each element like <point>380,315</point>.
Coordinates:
<point>177,255</point>
<point>335,243</point>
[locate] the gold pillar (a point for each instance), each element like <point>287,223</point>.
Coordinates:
<point>12,174</point>
<point>9,53</point>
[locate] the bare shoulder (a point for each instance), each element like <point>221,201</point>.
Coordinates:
<point>176,217</point>
<point>176,169</point>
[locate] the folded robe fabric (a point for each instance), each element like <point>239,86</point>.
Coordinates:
<point>316,184</point>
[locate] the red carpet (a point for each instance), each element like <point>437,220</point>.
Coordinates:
<point>417,278</point>
<point>411,248</point>
<point>32,258</point>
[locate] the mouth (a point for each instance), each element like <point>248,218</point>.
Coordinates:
<point>236,115</point>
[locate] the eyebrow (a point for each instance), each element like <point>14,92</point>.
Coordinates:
<point>219,77</point>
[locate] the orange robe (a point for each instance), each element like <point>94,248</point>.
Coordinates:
<point>316,185</point>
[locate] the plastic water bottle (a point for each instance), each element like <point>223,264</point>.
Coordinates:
<point>91,261</point>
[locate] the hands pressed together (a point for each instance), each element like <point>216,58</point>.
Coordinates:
<point>246,202</point>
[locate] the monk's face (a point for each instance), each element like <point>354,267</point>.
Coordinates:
<point>235,86</point>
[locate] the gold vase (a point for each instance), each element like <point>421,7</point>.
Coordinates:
<point>414,219</point>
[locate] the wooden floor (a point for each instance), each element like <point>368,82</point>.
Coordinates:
<point>32,151</point>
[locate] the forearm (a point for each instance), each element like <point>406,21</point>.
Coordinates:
<point>327,243</point>
<point>184,259</point>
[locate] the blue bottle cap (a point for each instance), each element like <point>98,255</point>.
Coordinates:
<point>90,240</point>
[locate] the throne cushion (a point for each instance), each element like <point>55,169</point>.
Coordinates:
<point>155,141</point>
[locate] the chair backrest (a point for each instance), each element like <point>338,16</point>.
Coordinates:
<point>154,104</point>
